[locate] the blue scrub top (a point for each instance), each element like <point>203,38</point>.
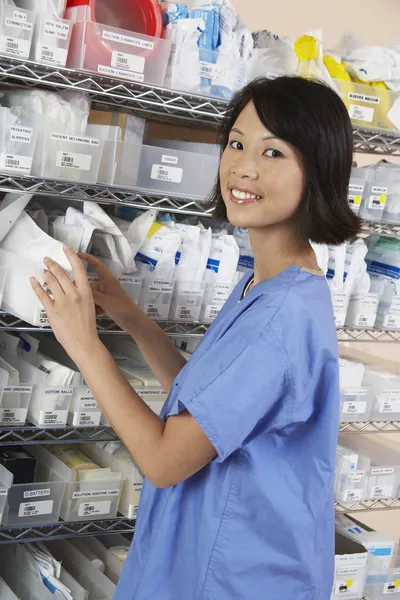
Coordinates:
<point>257,523</point>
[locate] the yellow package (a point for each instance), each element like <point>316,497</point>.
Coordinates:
<point>72,458</point>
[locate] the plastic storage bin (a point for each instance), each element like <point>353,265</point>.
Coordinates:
<point>177,172</point>
<point>187,301</point>
<point>120,164</point>
<point>5,592</point>
<point>17,144</point>
<point>377,190</point>
<point>91,494</point>
<point>19,570</point>
<point>389,314</point>
<point>386,387</point>
<point>214,298</point>
<point>355,404</point>
<point>362,310</point>
<point>100,547</point>
<point>351,560</point>
<point>388,583</point>
<point>71,157</point>
<point>156,297</point>
<point>383,483</point>
<point>351,487</point>
<point>14,403</point>
<point>340,304</point>
<point>356,190</point>
<point>118,53</point>
<point>32,503</point>
<point>51,40</point>
<point>84,410</point>
<point>16,31</point>
<point>49,406</point>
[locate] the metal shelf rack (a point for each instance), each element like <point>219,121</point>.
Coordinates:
<point>370,427</point>
<point>65,530</point>
<point>29,435</point>
<point>367,505</point>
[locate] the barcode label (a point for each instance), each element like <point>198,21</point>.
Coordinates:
<point>86,419</point>
<point>37,493</point>
<point>164,173</point>
<point>392,587</point>
<point>56,29</point>
<point>120,73</point>
<point>15,46</point>
<point>389,406</point>
<point>87,509</point>
<point>41,317</point>
<point>13,416</point>
<point>159,311</point>
<point>354,408</point>
<point>352,495</point>
<point>391,321</point>
<point>55,417</point>
<point>73,160</point>
<point>211,312</point>
<point>95,494</point>
<point>113,36</point>
<point>209,70</point>
<point>23,135</point>
<point>128,62</point>
<point>365,320</point>
<point>33,509</point>
<point>361,113</point>
<point>16,162</point>
<point>54,56</point>
<point>378,197</point>
<point>380,492</point>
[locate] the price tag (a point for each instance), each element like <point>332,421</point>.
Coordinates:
<point>53,417</point>
<point>33,509</point>
<point>87,509</point>
<point>16,162</point>
<point>165,173</point>
<point>73,160</point>
<point>86,419</point>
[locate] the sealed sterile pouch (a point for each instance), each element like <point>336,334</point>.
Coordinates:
<point>335,274</point>
<point>223,260</point>
<point>156,256</point>
<point>183,70</point>
<point>191,258</point>
<point>209,14</point>
<point>246,254</point>
<point>138,230</point>
<point>322,256</point>
<point>355,275</point>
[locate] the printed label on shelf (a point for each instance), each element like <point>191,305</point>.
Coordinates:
<point>354,196</point>
<point>19,134</point>
<point>382,471</point>
<point>3,492</point>
<point>355,391</point>
<point>129,279</point>
<point>58,391</point>
<point>128,62</point>
<point>356,477</point>
<point>388,406</point>
<point>209,70</point>
<point>19,21</point>
<point>142,392</point>
<point>211,312</point>
<point>94,508</point>
<point>113,36</point>
<point>16,162</point>
<point>33,509</point>
<point>361,113</point>
<point>354,408</point>
<point>164,173</point>
<point>390,393</point>
<point>73,160</point>
<point>86,419</point>
<point>120,73</point>
<point>347,587</point>
<point>364,320</point>
<point>41,317</point>
<point>391,321</point>
<point>95,494</point>
<point>364,98</point>
<point>392,587</point>
<point>378,197</point>
<point>395,306</point>
<point>56,29</point>
<point>161,287</point>
<point>171,160</point>
<point>53,55</point>
<point>22,389</point>
<point>53,417</point>
<point>15,46</point>
<point>186,312</point>
<point>13,415</point>
<point>221,292</point>
<point>347,571</point>
<point>76,139</point>
<point>380,492</point>
<point>157,311</point>
<point>37,493</point>
<point>191,292</point>
<point>352,495</point>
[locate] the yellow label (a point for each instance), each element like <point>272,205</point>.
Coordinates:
<point>382,199</point>
<point>154,228</point>
<point>357,200</point>
<point>306,47</point>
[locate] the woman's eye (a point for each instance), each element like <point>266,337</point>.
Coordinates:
<point>273,153</point>
<point>236,145</point>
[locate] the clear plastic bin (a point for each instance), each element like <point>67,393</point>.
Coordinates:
<point>215,296</point>
<point>389,314</point>
<point>91,494</point>
<point>5,592</point>
<point>118,53</point>
<point>16,31</point>
<point>20,572</point>
<point>355,404</point>
<point>370,107</point>
<point>376,194</point>
<point>3,278</point>
<point>51,40</point>
<point>388,582</point>
<point>351,487</point>
<point>49,406</point>
<point>356,190</point>
<point>14,403</point>
<point>84,410</point>
<point>154,397</point>
<point>17,144</point>
<point>100,547</point>
<point>383,483</point>
<point>32,503</point>
<point>187,301</point>
<point>120,164</point>
<point>351,561</point>
<point>362,310</point>
<point>156,297</point>
<point>176,172</point>
<point>386,387</point>
<point>340,303</point>
<point>71,157</point>
<point>132,285</point>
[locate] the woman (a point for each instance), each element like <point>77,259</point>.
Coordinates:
<point>238,502</point>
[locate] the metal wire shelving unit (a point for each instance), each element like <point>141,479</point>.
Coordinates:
<point>370,427</point>
<point>367,505</point>
<point>30,434</point>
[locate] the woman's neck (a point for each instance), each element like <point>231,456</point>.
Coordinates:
<point>276,248</point>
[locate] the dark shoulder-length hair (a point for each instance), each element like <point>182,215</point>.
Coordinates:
<point>311,117</point>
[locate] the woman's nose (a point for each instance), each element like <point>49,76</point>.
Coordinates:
<point>245,168</point>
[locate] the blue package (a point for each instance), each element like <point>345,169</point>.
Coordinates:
<point>176,11</point>
<point>209,39</point>
<point>128,213</point>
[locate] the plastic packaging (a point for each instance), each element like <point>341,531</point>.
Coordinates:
<point>357,186</point>
<point>223,259</point>
<point>156,256</point>
<point>246,254</point>
<point>72,458</point>
<point>51,40</point>
<point>383,264</point>
<point>183,70</point>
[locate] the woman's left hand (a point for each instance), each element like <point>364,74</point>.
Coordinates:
<point>71,310</point>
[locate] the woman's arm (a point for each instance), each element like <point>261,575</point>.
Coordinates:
<point>162,356</point>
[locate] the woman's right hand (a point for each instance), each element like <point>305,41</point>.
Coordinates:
<point>109,296</point>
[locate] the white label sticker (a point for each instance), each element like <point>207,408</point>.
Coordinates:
<point>19,15</point>
<point>169,174</point>
<point>161,287</point>
<point>95,494</point>
<point>87,509</point>
<point>114,36</point>
<point>356,477</point>
<point>347,587</point>
<point>395,306</point>
<point>37,493</point>
<point>209,70</point>
<point>378,197</point>
<point>56,29</point>
<point>355,392</point>
<point>15,46</point>
<point>354,196</point>
<point>382,471</point>
<point>391,321</point>
<point>354,408</point>
<point>392,587</point>
<point>361,113</point>
<point>339,301</point>
<point>41,317</point>
<point>54,417</point>
<point>347,571</point>
<point>380,492</point>
<point>130,280</point>
<point>186,313</point>
<point>19,21</point>
<point>364,320</point>
<point>73,160</point>
<point>221,293</point>
<point>58,391</point>
<point>157,311</point>
<point>128,62</point>
<point>76,139</point>
<point>86,419</point>
<point>3,492</point>
<point>52,55</point>
<point>120,73</point>
<point>33,509</point>
<point>16,162</point>
<point>171,160</point>
<point>211,312</point>
<point>23,135</point>
<point>352,495</point>
<point>364,98</point>
<point>13,416</point>
<point>389,406</point>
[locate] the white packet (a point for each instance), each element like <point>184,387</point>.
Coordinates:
<point>355,268</point>
<point>322,256</point>
<point>246,254</point>
<point>223,260</point>
<point>139,229</point>
<point>183,66</point>
<point>156,256</point>
<point>337,255</point>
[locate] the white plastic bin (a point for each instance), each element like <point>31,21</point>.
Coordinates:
<point>49,406</point>
<point>214,298</point>
<point>362,310</point>
<point>340,304</point>
<point>356,191</point>
<point>101,548</point>
<point>383,483</point>
<point>51,40</point>
<point>389,314</point>
<point>355,404</point>
<point>177,172</point>
<point>120,163</point>
<point>84,410</point>
<point>118,53</point>
<point>16,31</point>
<point>14,403</point>
<point>20,572</point>
<point>388,583</point>
<point>32,503</point>
<point>351,487</point>
<point>376,194</point>
<point>156,297</point>
<point>187,301</point>
<point>17,144</point>
<point>386,389</point>
<point>71,157</point>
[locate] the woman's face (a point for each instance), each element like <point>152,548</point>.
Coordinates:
<point>262,177</point>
